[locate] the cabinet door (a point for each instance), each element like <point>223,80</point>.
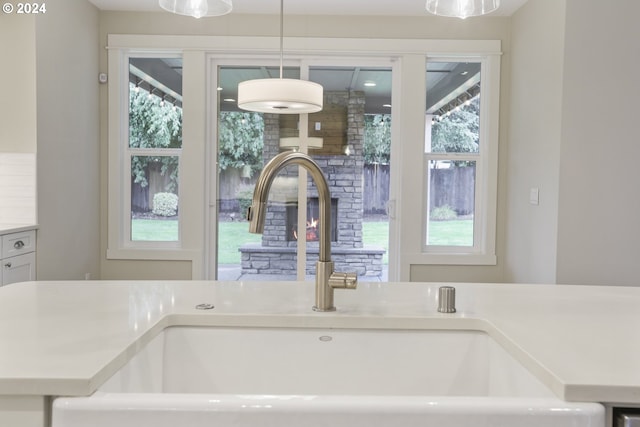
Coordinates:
<point>21,268</point>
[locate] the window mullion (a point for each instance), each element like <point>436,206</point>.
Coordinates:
<point>154,151</point>
<point>453,156</point>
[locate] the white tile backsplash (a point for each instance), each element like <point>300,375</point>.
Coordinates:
<point>18,188</point>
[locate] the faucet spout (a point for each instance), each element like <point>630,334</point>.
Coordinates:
<point>326,279</point>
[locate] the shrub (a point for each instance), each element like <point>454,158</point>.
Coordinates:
<point>443,213</point>
<point>245,196</point>
<point>165,204</point>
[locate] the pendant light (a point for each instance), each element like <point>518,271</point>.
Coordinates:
<point>462,8</point>
<point>197,8</point>
<point>280,96</point>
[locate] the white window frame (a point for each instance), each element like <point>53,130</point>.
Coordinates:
<point>408,99</point>
<point>485,191</point>
<point>483,252</point>
<point>120,244</point>
<point>304,64</point>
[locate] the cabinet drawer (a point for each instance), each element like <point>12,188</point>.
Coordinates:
<point>21,268</point>
<point>18,243</point>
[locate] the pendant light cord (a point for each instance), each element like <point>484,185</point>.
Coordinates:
<point>281,35</point>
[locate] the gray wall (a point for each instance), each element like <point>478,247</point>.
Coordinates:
<point>419,27</point>
<point>67,143</point>
<point>533,151</point>
<point>573,118</point>
<point>555,134</point>
<point>17,83</point>
<point>598,231</point>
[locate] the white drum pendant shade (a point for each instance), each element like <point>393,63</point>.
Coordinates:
<point>280,96</point>
<point>462,8</point>
<point>197,8</point>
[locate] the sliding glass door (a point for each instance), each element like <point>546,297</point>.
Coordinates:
<point>350,139</point>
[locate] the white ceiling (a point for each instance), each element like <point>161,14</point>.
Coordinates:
<point>312,7</point>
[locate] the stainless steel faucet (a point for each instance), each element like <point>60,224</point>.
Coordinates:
<point>326,279</point>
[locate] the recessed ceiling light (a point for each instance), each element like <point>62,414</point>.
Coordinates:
<point>229,100</point>
<point>387,105</point>
<point>370,84</point>
<point>219,88</point>
<point>464,73</point>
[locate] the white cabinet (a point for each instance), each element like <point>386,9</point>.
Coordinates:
<point>17,257</point>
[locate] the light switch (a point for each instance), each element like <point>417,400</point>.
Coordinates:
<point>318,125</point>
<point>534,196</point>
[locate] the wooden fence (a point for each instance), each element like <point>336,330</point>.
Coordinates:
<point>453,187</point>
<point>158,181</point>
<point>376,189</point>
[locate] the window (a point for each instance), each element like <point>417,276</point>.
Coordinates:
<point>149,152</point>
<point>349,139</point>
<point>153,149</point>
<point>182,163</point>
<point>459,213</point>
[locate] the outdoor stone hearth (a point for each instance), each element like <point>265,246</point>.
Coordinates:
<point>277,254</point>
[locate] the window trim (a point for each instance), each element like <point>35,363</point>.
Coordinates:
<point>412,128</point>
<point>483,251</point>
<point>408,138</point>
<point>120,245</point>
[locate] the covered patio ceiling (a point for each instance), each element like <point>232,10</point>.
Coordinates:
<point>448,83</point>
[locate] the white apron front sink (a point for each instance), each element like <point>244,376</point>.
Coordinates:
<point>211,376</point>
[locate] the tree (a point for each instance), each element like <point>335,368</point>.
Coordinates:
<point>240,140</point>
<point>458,132</point>
<point>153,124</point>
<point>377,138</point>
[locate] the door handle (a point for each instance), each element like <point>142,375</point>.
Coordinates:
<point>391,209</point>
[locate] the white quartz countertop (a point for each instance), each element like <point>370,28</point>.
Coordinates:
<point>16,228</point>
<point>67,338</point>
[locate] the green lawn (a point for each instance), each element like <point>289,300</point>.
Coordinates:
<point>451,233</point>
<point>155,230</point>
<point>232,235</point>
<point>376,233</point>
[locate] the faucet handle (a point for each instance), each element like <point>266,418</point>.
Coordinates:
<point>343,280</point>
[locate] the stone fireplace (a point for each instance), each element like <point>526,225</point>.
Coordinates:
<point>341,160</point>
<point>313,227</point>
